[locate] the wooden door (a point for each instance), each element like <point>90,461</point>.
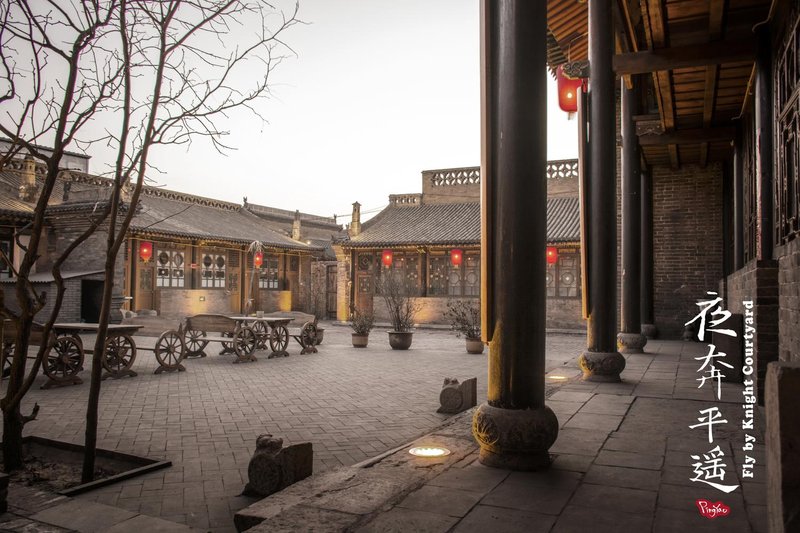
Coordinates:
<point>365,281</point>
<point>330,291</point>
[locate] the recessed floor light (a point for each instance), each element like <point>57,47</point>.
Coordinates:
<point>429,451</point>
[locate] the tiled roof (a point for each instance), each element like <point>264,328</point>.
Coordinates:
<point>178,216</point>
<point>162,212</point>
<point>563,219</point>
<point>443,224</point>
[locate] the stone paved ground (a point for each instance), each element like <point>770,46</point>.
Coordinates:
<point>351,404</point>
<point>625,460</point>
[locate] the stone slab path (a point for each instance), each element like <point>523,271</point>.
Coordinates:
<point>352,404</point>
<point>624,462</point>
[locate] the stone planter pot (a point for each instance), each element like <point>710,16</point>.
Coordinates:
<point>474,346</point>
<point>400,340</point>
<point>320,334</point>
<point>360,341</point>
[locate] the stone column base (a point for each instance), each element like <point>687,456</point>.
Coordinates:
<point>601,366</point>
<point>650,331</point>
<point>517,439</point>
<point>631,342</point>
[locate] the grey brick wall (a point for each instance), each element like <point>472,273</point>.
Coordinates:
<point>687,229</point>
<point>758,282</point>
<point>789,302</point>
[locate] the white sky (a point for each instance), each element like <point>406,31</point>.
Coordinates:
<point>379,91</point>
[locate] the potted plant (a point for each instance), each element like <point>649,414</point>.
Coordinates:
<point>465,319</point>
<point>402,307</point>
<point>362,323</point>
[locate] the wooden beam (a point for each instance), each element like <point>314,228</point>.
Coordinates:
<point>689,136</point>
<point>709,99</point>
<point>716,14</point>
<point>714,53</point>
<point>655,35</point>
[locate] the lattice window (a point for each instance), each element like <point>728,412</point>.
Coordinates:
<point>438,275</point>
<point>170,269</point>
<point>750,188</point>
<point>5,268</point>
<point>787,97</point>
<point>472,275</point>
<point>408,264</point>
<point>561,277</point>
<point>212,270</point>
<point>444,279</point>
<point>268,273</point>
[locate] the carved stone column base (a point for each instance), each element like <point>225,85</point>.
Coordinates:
<point>517,439</point>
<point>631,342</point>
<point>650,331</point>
<point>601,366</point>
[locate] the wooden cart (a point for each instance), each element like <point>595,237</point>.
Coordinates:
<point>232,334</point>
<point>119,351</point>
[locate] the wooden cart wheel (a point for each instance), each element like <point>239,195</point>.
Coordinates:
<point>64,358</point>
<point>279,339</point>
<point>170,349</point>
<point>308,335</point>
<point>244,341</point>
<point>194,342</point>
<point>120,352</point>
<point>262,334</point>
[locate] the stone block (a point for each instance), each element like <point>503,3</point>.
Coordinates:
<point>456,397</point>
<point>273,467</point>
<point>783,442</point>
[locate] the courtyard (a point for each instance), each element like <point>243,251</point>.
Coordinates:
<point>352,404</point>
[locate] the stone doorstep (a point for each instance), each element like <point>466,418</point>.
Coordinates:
<point>357,493</point>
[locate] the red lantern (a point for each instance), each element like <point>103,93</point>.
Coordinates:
<point>455,257</point>
<point>145,250</point>
<point>552,255</point>
<point>258,259</point>
<point>567,91</point>
<point>386,258</point>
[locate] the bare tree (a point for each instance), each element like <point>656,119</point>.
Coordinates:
<point>154,73</point>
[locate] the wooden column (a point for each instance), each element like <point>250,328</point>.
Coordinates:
<point>646,300</point>
<point>763,124</point>
<point>738,203</point>
<point>630,338</point>
<point>514,429</point>
<point>601,361</point>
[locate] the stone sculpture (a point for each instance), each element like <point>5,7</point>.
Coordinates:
<point>273,467</point>
<point>456,397</point>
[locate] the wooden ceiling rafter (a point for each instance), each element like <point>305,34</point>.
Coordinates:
<point>704,52</point>
<point>716,16</point>
<point>656,37</point>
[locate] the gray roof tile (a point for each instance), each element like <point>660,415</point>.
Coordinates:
<point>443,224</point>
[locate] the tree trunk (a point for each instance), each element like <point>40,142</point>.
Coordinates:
<point>12,439</point>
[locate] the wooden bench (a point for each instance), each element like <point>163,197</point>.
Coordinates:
<point>230,333</point>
